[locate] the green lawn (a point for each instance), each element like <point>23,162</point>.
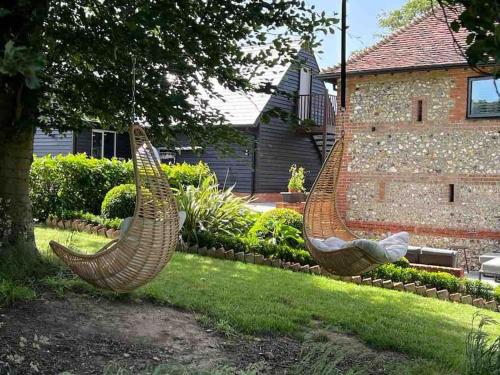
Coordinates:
<point>259,299</point>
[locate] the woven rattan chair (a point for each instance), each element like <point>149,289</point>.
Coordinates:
<point>148,243</point>
<point>322,220</point>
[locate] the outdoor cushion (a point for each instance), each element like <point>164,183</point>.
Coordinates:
<point>492,266</point>
<point>438,257</point>
<point>488,256</point>
<point>389,249</point>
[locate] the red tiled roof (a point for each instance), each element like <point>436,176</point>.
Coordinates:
<point>425,42</point>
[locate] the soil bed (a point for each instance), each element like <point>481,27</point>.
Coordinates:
<point>84,335</point>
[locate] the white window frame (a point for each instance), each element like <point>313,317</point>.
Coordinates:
<point>102,132</point>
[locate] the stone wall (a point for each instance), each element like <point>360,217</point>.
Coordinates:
<point>436,175</point>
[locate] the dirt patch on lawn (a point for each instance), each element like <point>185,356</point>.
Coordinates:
<point>84,335</point>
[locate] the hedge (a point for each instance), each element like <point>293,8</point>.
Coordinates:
<point>254,245</point>
<point>78,183</point>
<point>438,280</point>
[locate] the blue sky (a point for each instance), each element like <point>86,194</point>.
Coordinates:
<point>362,21</point>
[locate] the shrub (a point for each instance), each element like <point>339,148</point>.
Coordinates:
<point>79,183</point>
<point>73,183</point>
<point>439,280</point>
<point>297,179</point>
<point>478,289</point>
<point>496,294</point>
<point>210,209</point>
<point>119,202</point>
<point>255,245</point>
<point>279,226</point>
<point>482,352</point>
<point>185,174</point>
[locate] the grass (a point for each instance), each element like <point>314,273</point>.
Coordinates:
<point>258,299</point>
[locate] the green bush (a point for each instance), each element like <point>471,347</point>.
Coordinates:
<point>209,209</point>
<point>279,226</point>
<point>496,294</point>
<point>438,280</point>
<point>74,183</point>
<point>119,202</point>
<point>255,245</point>
<point>78,183</point>
<point>184,174</point>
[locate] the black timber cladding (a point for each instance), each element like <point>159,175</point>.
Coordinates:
<point>278,145</point>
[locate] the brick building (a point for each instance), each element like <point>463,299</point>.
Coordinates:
<point>423,133</point>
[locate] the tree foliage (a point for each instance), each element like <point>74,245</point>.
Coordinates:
<point>391,21</point>
<point>76,57</point>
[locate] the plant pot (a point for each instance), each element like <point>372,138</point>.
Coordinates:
<point>293,197</point>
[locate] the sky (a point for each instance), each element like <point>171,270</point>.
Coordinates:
<point>362,22</point>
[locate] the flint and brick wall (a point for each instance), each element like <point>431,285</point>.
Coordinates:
<point>438,178</point>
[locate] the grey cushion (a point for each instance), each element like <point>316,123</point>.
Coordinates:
<point>387,250</point>
<point>492,266</point>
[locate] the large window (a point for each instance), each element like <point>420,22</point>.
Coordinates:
<point>103,144</point>
<point>484,98</point>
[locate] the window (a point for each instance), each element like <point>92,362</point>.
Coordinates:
<point>451,193</point>
<point>484,100</point>
<point>103,144</point>
<point>304,104</point>
<point>420,111</point>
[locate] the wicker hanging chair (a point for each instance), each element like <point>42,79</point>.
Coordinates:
<point>148,243</point>
<point>322,220</point>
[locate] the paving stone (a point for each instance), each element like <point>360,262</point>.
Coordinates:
<point>268,262</point>
<point>258,258</point>
<point>466,299</point>
<point>377,282</point>
<point>109,233</point>
<point>220,253</point>
<point>81,226</point>
<point>491,305</point>
<point>203,251</point>
<point>398,286</point>
<point>295,267</point>
<point>240,256</point>
<point>478,302</point>
<point>304,268</point>
<point>249,258</point>
<point>229,254</point>
<point>67,224</point>
<point>421,290</point>
<point>432,292</point>
<point>455,297</point>
<point>387,284</point>
<point>60,224</point>
<point>102,231</point>
<point>315,269</point>
<point>211,252</point>
<point>117,234</point>
<point>193,249</point>
<point>277,263</point>
<point>356,279</point>
<point>367,281</point>
<point>286,265</point>
<point>411,287</point>
<point>443,294</point>
<point>87,228</point>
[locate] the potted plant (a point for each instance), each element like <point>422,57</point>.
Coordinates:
<point>296,191</point>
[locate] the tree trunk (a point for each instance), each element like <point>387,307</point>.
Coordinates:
<point>16,221</point>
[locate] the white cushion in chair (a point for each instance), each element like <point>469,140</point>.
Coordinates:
<point>387,250</point>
